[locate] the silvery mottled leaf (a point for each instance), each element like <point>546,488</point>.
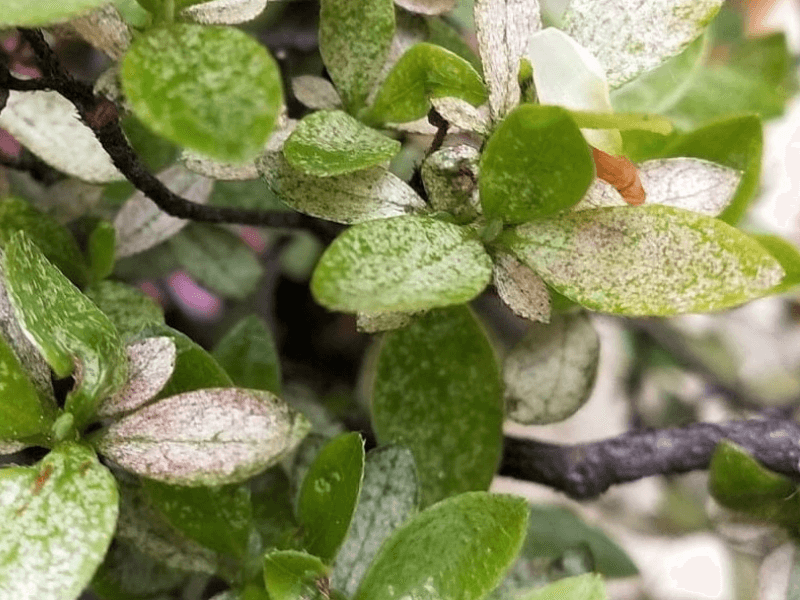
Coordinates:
<point>521,289</point>
<point>140,224</point>
<point>629,38</point>
<point>215,169</point>
<point>224,11</point>
<point>104,29</point>
<point>689,183</point>
<point>316,92</point>
<point>373,322</point>
<point>427,7</point>
<point>450,178</point>
<point>205,437</point>
<point>462,114</point>
<point>550,373</point>
<point>373,193</point>
<point>150,365</point>
<point>504,28</point>
<point>566,74</point>
<point>48,125</point>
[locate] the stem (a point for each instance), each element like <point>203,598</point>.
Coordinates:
<point>622,121</point>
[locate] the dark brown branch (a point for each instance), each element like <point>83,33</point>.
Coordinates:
<point>105,124</point>
<point>584,471</point>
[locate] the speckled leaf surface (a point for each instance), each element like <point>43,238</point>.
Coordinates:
<point>550,373</point>
<point>388,499</point>
<point>212,89</point>
<point>48,125</point>
<point>219,517</point>
<point>688,183</point>
<point>332,142</point>
<point>141,224</point>
<point>316,92</point>
<point>370,194</point>
<point>217,259</point>
<point>536,163</point>
<point>205,437</point>
<point>56,522</point>
<point>425,71</point>
<point>105,29</point>
<point>224,11</point>
<point>354,40</point>
<point>520,288</point>
<point>71,333</point>
<point>449,176</point>
<point>462,114</point>
<point>651,260</point>
<point>503,28</point>
<point>566,74</point>
<point>373,322</point>
<point>401,264</point>
<point>329,494</point>
<point>588,586</point>
<point>427,7</point>
<point>150,365</point>
<point>290,574</point>
<point>248,353</point>
<point>219,170</point>
<point>458,548</point>
<point>129,309</point>
<point>52,238</point>
<point>785,253</point>
<point>631,38</point>
<point>19,13</point>
<point>437,391</point>
<point>22,412</point>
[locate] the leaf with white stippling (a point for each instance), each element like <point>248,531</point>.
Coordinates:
<point>104,29</point>
<point>566,74</point>
<point>141,224</point>
<point>401,264</point>
<point>327,143</point>
<point>48,125</point>
<point>71,333</point>
<point>373,322</point>
<point>57,519</point>
<point>365,195</point>
<point>316,92</point>
<point>631,38</point>
<point>205,437</point>
<point>226,12</point>
<point>550,373</point>
<point>504,28</point>
<point>450,177</point>
<point>20,13</point>
<point>128,308</point>
<point>521,289</point>
<point>218,170</point>
<point>150,365</point>
<point>462,114</point>
<point>651,260</point>
<point>427,7</point>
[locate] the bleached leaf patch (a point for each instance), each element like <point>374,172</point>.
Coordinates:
<point>316,92</point>
<point>462,114</point>
<point>629,38</point>
<point>224,12</point>
<point>104,29</point>
<point>205,437</point>
<point>373,322</point>
<point>150,365</point>
<point>427,7</point>
<point>48,125</point>
<point>521,289</point>
<point>214,169</point>
<point>141,224</point>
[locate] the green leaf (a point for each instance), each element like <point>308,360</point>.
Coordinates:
<point>289,574</point>
<point>365,195</point>
<point>218,259</point>
<point>550,374</point>
<point>129,309</point>
<point>56,522</point>
<point>650,260</point>
<point>441,32</point>
<point>354,40</point>
<point>536,163</point>
<point>219,518</point>
<point>54,240</point>
<point>102,249</point>
<point>388,499</point>
<point>554,530</point>
<point>785,253</point>
<point>437,391</point>
<point>738,481</point>
<point>204,438</point>
<point>329,494</point>
<point>67,328</point>
<point>401,264</point>
<point>22,411</point>
<point>212,89</point>
<point>769,57</point>
<point>19,13</point>
<point>458,548</point>
<point>425,71</point>
<point>588,586</point>
<point>273,509</point>
<point>248,354</point>
<point>331,142</point>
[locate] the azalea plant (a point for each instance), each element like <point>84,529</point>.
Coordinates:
<point>575,163</point>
